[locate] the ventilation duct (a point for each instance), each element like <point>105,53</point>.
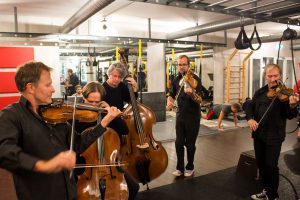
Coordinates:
<point>88,10</point>
<point>211,27</point>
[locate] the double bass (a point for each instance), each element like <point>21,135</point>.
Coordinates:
<point>147,159</point>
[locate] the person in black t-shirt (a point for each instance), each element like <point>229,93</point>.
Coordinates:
<point>222,110</point>
<point>117,93</point>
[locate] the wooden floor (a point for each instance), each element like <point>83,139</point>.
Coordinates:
<point>214,152</point>
<point>217,151</point>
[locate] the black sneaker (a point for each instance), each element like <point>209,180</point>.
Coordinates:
<point>260,196</point>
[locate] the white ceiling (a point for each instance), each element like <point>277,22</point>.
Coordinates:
<point>124,18</point>
<point>134,14</point>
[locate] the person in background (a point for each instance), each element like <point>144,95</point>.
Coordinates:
<point>222,110</point>
<point>187,116</point>
<point>246,103</point>
<point>71,82</point>
<point>297,87</point>
<point>38,153</point>
<point>78,90</point>
<point>267,120</point>
<point>93,93</point>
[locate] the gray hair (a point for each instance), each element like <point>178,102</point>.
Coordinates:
<point>271,66</point>
<point>119,67</point>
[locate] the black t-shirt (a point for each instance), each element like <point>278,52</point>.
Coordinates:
<point>116,96</point>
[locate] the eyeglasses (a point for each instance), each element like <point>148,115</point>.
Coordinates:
<point>185,64</point>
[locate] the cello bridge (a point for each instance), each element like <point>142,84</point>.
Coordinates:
<point>144,146</point>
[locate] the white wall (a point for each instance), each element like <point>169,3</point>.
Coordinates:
<point>50,56</point>
<point>267,50</point>
<point>156,61</point>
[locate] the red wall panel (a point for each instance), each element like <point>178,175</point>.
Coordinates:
<point>4,101</point>
<point>11,57</point>
<point>7,84</point>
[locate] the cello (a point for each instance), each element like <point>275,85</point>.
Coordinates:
<point>147,157</point>
<point>101,178</point>
<point>104,181</point>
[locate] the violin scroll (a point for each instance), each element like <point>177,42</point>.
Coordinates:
<point>189,78</point>
<point>190,81</point>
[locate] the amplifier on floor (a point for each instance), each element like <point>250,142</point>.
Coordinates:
<point>247,165</point>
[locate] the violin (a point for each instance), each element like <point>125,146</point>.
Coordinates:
<point>61,112</point>
<point>281,92</point>
<point>189,79</point>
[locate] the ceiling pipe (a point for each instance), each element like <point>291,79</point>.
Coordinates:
<point>211,27</point>
<point>85,12</point>
<point>296,47</point>
<point>272,38</point>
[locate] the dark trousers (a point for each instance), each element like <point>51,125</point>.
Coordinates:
<point>120,126</point>
<point>267,156</point>
<point>186,135</point>
<point>133,186</point>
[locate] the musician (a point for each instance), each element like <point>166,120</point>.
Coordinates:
<point>187,117</point>
<point>268,132</point>
<point>93,92</point>
<point>35,152</point>
<point>117,93</point>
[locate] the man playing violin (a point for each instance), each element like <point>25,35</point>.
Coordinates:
<point>187,116</point>
<point>267,120</point>
<point>37,153</point>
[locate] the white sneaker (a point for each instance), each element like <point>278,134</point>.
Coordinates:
<point>188,173</point>
<point>260,196</point>
<point>177,173</point>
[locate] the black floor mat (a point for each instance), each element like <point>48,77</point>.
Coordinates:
<point>227,185</point>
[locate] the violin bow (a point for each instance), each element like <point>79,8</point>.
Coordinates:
<point>177,95</point>
<point>73,129</point>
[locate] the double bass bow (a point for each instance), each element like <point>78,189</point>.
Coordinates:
<point>147,159</point>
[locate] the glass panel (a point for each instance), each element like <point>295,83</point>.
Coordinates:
<point>256,75</point>
<point>267,60</point>
<point>289,74</point>
<point>280,63</point>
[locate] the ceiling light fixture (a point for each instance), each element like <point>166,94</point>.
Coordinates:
<point>104,24</point>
